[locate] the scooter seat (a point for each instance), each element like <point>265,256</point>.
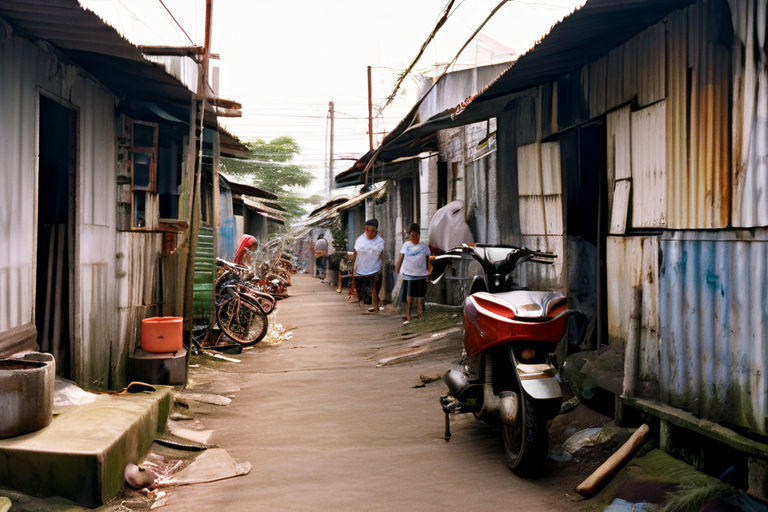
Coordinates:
<point>528,303</point>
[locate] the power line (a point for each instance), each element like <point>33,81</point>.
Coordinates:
<point>176,21</point>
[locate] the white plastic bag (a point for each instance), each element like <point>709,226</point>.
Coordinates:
<point>448,229</point>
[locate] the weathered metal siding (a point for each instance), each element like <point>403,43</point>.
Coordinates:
<point>698,116</point>
<point>18,98</point>
<point>96,331</point>
<point>27,69</point>
<point>714,353</point>
<point>634,261</point>
<point>139,296</point>
<point>650,62</point>
<point>541,211</point>
<point>618,166</point>
<point>649,173</point>
<point>749,207</point>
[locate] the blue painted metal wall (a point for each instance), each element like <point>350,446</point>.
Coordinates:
<point>713,309</point>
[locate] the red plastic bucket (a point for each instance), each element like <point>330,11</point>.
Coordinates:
<point>161,333</point>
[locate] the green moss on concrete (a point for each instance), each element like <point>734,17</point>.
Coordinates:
<point>82,454</point>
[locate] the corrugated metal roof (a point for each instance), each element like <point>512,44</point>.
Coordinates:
<point>99,49</point>
<point>247,190</point>
<point>578,39</point>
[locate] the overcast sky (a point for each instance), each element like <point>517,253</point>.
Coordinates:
<point>284,60</point>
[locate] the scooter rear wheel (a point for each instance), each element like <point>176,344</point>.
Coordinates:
<point>525,443</point>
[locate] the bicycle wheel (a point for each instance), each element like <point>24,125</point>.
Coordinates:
<point>242,320</point>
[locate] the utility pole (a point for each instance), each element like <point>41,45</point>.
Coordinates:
<point>198,107</point>
<point>330,152</point>
<point>370,111</point>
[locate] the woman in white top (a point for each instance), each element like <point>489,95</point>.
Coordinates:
<point>368,262</point>
<point>414,261</point>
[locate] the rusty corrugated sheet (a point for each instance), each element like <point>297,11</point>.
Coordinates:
<point>649,172</point>
<point>698,117</point>
<point>651,46</point>
<point>714,352</point>
<point>750,115</point>
<point>634,261</point>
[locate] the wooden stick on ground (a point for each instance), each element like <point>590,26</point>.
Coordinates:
<point>607,468</point>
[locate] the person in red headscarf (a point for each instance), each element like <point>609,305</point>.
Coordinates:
<point>244,253</point>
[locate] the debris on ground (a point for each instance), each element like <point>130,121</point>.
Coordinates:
<point>138,477</point>
<point>207,398</point>
<point>212,465</point>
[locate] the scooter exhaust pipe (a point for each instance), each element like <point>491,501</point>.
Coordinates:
<point>456,381</point>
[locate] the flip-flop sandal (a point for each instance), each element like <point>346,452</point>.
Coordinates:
<point>371,310</point>
<point>406,322</point>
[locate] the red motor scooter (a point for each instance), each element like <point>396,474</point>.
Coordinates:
<point>509,374</point>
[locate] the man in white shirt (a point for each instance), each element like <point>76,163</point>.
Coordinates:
<point>368,263</point>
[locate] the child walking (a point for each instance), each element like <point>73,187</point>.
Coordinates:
<point>414,262</point>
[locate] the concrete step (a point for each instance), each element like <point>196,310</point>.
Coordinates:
<point>82,454</point>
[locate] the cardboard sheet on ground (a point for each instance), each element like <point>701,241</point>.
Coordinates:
<point>212,465</point>
<point>198,436</point>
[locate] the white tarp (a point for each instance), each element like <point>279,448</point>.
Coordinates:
<point>448,227</point>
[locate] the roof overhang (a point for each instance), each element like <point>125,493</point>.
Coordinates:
<point>583,36</point>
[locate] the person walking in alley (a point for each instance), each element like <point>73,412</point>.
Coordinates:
<point>414,261</point>
<point>321,257</point>
<point>368,263</point>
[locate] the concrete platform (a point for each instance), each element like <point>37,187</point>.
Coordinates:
<point>81,455</point>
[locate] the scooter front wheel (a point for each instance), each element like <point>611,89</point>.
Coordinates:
<point>526,442</point>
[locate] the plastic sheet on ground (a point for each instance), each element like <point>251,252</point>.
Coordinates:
<point>66,394</point>
<point>582,438</point>
<point>619,505</point>
<point>212,465</point>
<point>198,436</point>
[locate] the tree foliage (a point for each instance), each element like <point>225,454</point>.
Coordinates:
<point>271,168</point>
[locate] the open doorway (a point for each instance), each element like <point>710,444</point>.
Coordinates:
<point>584,168</point>
<point>54,291</point>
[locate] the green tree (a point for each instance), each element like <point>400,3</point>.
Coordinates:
<point>271,168</point>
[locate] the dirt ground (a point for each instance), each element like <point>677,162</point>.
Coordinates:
<point>325,428</point>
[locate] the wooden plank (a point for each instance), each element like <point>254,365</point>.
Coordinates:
<point>684,419</point>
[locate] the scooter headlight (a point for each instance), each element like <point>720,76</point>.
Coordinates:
<point>527,354</point>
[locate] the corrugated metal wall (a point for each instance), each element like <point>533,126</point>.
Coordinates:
<point>541,212</point>
<point>713,316</point>
<point>698,116</point>
<point>25,68</point>
<point>649,171</point>
<point>634,261</point>
<point>18,98</point>
<point>139,293</point>
<point>750,115</point>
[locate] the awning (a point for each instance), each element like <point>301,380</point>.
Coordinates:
<point>583,36</point>
<point>262,208</point>
<point>377,193</point>
<point>246,190</point>
<point>329,204</point>
<point>99,49</point>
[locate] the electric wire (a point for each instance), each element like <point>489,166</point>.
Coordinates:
<point>176,21</point>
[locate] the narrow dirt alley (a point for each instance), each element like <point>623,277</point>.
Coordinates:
<point>325,429</point>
